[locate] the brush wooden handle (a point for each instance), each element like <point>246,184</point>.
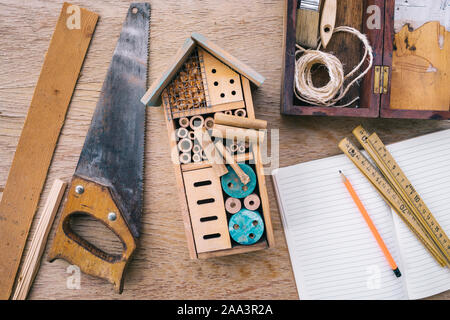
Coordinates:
<point>328,21</point>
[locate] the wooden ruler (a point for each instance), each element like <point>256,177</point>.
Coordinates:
<point>391,196</point>
<point>40,134</point>
<point>398,180</point>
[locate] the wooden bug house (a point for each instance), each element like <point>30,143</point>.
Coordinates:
<point>214,140</point>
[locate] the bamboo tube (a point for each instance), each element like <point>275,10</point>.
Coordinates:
<point>209,123</point>
<point>185,145</point>
<point>240,113</point>
<point>182,133</point>
<point>185,158</point>
<point>197,122</point>
<point>184,122</point>
<point>240,134</point>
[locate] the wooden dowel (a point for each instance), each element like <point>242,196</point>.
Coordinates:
<point>38,241</point>
<point>240,122</point>
<point>239,134</point>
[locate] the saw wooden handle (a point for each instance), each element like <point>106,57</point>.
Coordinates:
<point>87,197</point>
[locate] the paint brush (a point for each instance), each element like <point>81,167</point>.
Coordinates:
<point>308,17</point>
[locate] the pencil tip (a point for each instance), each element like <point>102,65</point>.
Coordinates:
<point>340,171</point>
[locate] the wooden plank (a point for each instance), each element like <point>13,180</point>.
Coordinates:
<point>420,69</point>
<point>261,181</point>
<point>248,98</point>
<point>209,219</point>
<point>386,111</point>
<point>236,250</point>
<point>179,181</point>
<point>33,258</point>
<point>40,134</point>
<point>153,94</point>
<point>223,83</point>
<point>217,108</point>
<point>228,59</point>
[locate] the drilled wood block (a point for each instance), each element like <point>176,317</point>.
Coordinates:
<point>223,83</point>
<point>207,210</point>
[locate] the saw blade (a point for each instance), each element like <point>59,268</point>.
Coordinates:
<point>113,152</point>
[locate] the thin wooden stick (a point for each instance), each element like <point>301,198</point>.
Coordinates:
<point>39,240</point>
<point>229,159</point>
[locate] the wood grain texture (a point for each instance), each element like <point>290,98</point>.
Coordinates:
<point>98,202</point>
<point>327,21</point>
<point>39,241</point>
<point>161,267</point>
<point>45,118</point>
<point>421,68</point>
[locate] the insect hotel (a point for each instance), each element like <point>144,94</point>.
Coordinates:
<point>214,140</point>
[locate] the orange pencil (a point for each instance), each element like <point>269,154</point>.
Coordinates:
<point>372,227</point>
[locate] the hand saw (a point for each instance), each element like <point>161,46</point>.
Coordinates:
<point>108,180</point>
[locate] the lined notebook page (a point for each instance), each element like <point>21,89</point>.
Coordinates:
<point>333,253</point>
<point>425,161</point>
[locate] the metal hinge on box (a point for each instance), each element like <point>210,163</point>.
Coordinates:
<point>381,79</point>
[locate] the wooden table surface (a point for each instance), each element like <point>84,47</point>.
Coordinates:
<point>161,269</point>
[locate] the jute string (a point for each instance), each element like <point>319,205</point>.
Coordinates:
<point>335,90</point>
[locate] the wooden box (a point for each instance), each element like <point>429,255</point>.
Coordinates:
<point>399,84</point>
<point>203,80</point>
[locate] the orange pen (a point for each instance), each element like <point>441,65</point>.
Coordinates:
<point>372,227</point>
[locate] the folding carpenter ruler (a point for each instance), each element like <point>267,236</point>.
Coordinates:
<point>396,189</point>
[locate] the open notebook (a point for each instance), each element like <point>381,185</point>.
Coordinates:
<point>333,253</point>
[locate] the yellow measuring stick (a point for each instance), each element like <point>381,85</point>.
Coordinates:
<point>391,196</point>
<point>398,180</point>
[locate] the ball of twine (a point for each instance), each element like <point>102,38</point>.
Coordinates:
<point>335,90</point>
